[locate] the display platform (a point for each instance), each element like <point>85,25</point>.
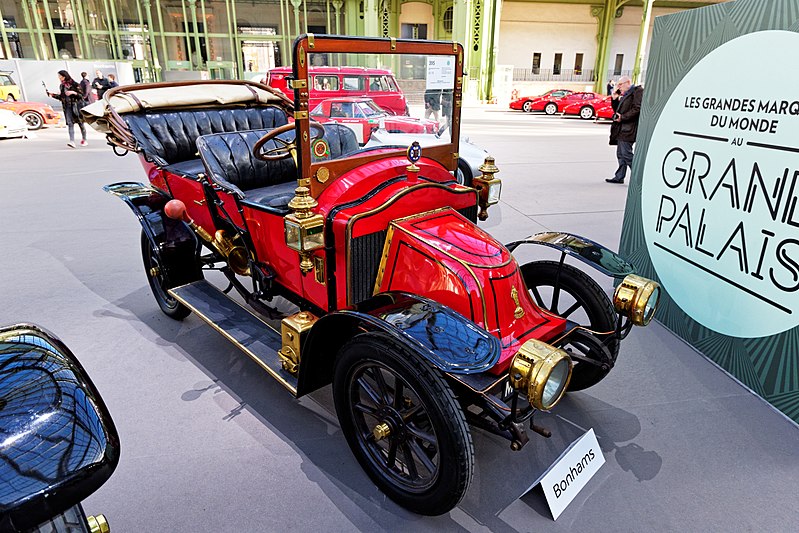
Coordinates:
<point>211,443</point>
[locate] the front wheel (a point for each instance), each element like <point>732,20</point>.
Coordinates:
<point>587,112</point>
<point>527,107</point>
<point>162,277</point>
<point>551,108</point>
<point>574,295</point>
<point>403,424</point>
<point>33,119</point>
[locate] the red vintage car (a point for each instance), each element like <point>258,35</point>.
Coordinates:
<point>363,116</point>
<point>34,113</point>
<point>426,325</point>
<point>537,103</point>
<point>587,109</point>
<point>556,105</point>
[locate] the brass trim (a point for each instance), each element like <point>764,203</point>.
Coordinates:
<point>293,332</point>
<point>381,431</point>
<point>98,524</point>
<point>311,43</point>
<point>200,202</point>
<point>236,343</point>
<point>322,174</point>
<point>381,207</point>
<point>531,368</point>
<point>455,155</point>
<point>383,258</point>
<point>319,269</point>
<point>393,43</point>
<point>518,312</point>
<point>299,84</point>
<point>301,55</point>
<point>300,115</point>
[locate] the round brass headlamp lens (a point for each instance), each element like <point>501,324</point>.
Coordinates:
<point>637,298</point>
<point>542,372</point>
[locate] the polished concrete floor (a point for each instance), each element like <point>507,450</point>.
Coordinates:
<point>212,444</point>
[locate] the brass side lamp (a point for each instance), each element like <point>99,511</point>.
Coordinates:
<point>304,229</point>
<point>488,187</point>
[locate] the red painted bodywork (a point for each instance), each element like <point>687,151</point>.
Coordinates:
<point>444,256</point>
<point>49,115</point>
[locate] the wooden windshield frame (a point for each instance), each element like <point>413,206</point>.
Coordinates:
<point>446,153</point>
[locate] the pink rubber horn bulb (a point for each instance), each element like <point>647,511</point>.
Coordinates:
<point>175,209</point>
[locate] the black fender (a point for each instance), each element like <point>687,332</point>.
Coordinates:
<point>176,244</point>
<point>589,252</point>
<point>446,339</point>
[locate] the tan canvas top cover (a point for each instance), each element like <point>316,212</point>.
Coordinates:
<point>131,99</point>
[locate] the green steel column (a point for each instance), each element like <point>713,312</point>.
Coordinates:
<point>371,22</point>
<point>205,29</point>
<point>327,17</point>
<point>115,29</point>
<point>305,16</point>
<point>186,31</point>
<point>83,29</point>
<point>492,47</point>
<point>646,18</point>
<point>337,7</point>
<point>284,30</point>
<point>237,51</point>
<point>296,5</point>
<point>193,8</point>
<point>28,24</point>
<point>50,27</point>
<point>6,45</point>
<point>156,70</point>
<point>604,39</point>
<point>161,25</point>
<point>232,37</point>
<point>110,26</point>
<point>40,33</point>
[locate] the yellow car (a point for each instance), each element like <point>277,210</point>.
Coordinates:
<point>9,90</point>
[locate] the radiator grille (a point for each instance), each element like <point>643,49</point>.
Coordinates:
<point>469,212</point>
<point>366,252</point>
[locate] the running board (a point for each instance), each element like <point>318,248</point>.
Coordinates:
<point>249,333</point>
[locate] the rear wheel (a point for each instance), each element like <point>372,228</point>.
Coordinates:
<point>163,276</point>
<point>551,108</point>
<point>527,107</point>
<point>463,174</point>
<point>587,112</point>
<point>403,424</point>
<point>574,295</point>
<point>34,120</point>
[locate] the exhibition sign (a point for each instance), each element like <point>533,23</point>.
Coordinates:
<point>714,210</point>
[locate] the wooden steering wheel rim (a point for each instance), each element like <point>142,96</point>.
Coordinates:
<point>256,149</point>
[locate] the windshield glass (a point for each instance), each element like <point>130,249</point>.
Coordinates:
<point>359,87</point>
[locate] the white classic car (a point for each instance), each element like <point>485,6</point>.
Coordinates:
<point>12,125</point>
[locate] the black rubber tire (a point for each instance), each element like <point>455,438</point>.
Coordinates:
<point>34,120</point>
<point>551,108</point>
<point>463,175</point>
<point>590,112</point>
<point>159,284</point>
<point>587,304</point>
<point>426,421</point>
<point>527,107</point>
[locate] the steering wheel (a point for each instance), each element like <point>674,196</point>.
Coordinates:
<point>285,149</point>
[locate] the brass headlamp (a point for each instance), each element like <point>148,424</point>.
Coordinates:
<point>488,187</point>
<point>637,298</point>
<point>542,372</point>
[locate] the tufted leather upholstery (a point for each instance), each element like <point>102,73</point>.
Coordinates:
<point>170,137</point>
<point>229,162</point>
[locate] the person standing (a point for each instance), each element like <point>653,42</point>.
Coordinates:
<point>100,83</point>
<point>432,103</point>
<point>85,87</point>
<point>446,112</point>
<point>112,81</point>
<point>626,102</point>
<point>71,98</point>
<point>611,86</point>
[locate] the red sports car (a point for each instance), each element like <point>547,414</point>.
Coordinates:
<point>363,116</point>
<point>34,113</point>
<point>537,103</point>
<point>556,105</point>
<point>588,109</point>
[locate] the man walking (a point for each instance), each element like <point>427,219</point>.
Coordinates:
<point>626,103</point>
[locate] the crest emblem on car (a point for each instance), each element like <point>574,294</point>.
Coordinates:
<point>518,312</point>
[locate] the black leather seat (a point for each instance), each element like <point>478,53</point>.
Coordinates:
<point>230,163</point>
<point>169,138</point>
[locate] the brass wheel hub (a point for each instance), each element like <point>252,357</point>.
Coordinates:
<point>391,424</point>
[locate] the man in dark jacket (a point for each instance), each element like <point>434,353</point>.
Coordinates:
<point>626,103</point>
<point>101,84</point>
<point>85,87</point>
